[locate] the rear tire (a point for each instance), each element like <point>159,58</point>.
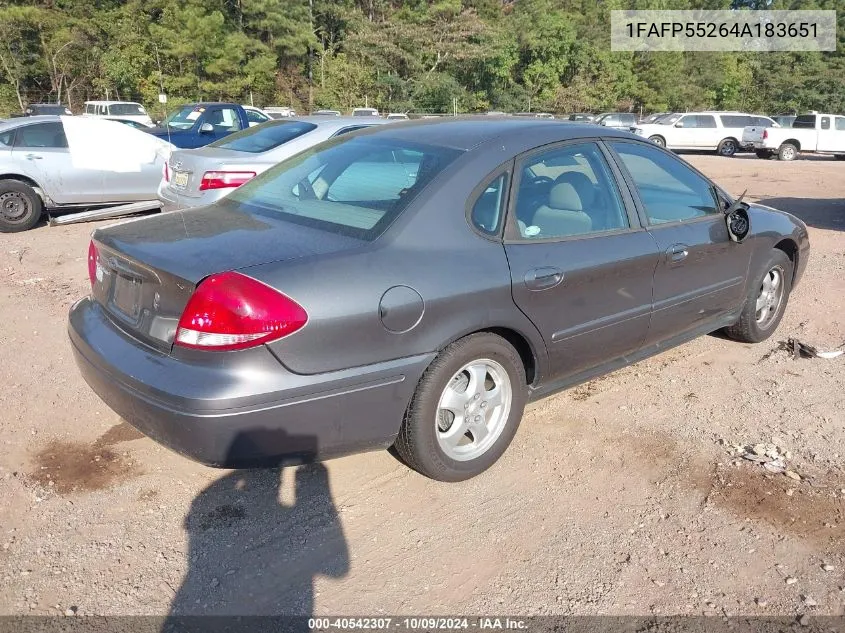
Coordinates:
<point>477,383</point>
<point>787,151</point>
<point>658,140</point>
<point>764,153</point>
<point>20,206</point>
<point>766,301</point>
<point>728,147</point>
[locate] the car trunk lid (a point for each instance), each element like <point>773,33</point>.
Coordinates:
<point>187,167</point>
<point>146,270</point>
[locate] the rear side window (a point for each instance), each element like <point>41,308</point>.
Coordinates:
<point>354,186</point>
<point>736,120</point>
<point>805,121</point>
<point>668,189</point>
<point>6,138</point>
<point>487,210</point>
<point>265,137</point>
<point>840,123</point>
<point>46,135</point>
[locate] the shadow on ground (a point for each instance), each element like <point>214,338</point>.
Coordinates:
<point>257,540</point>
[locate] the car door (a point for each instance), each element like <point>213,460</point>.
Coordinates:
<point>581,265</point>
<point>680,134</point>
<point>703,131</point>
<point>700,277</point>
<point>41,150</point>
<point>832,137</point>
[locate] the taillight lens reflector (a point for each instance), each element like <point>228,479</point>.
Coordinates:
<point>765,134</point>
<point>165,172</point>
<point>224,179</point>
<point>231,311</point>
<point>93,255</point>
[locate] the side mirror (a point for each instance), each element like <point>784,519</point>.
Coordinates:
<point>206,128</point>
<point>737,219</point>
<point>679,124</point>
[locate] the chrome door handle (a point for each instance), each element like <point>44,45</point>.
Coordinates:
<point>677,253</point>
<point>543,278</point>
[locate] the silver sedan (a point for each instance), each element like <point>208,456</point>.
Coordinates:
<point>61,163</point>
<point>197,177</point>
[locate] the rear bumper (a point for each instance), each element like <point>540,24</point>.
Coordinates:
<point>240,409</point>
<point>172,201</point>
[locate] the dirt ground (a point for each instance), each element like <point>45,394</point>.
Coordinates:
<point>622,496</point>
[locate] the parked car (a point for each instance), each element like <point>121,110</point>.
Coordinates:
<point>36,109</point>
<point>256,116</point>
<point>198,124</point>
<point>397,116</point>
<point>60,163</point>
<point>810,133</point>
<point>364,112</point>
<point>314,312</point>
<point>326,113</point>
<point>710,131</point>
<point>280,112</point>
<point>584,117</point>
<point>198,177</point>
<point>536,115</point>
<point>653,118</point>
<point>127,110</point>
<point>617,120</point>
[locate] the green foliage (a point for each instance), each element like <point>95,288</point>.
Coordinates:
<point>396,55</point>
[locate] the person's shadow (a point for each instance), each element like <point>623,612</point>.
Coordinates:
<point>253,553</point>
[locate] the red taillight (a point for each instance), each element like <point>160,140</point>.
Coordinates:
<point>765,134</point>
<point>165,172</point>
<point>92,263</point>
<point>224,179</point>
<point>232,311</point>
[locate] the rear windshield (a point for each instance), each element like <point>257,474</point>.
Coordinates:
<point>126,109</point>
<point>354,186</point>
<point>262,138</point>
<point>805,120</point>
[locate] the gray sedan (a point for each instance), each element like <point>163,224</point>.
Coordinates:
<point>197,177</point>
<point>414,286</point>
<point>62,163</point>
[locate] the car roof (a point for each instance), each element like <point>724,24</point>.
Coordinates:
<point>113,102</point>
<point>466,133</point>
<point>28,120</point>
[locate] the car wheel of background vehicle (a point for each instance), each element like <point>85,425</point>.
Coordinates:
<point>727,147</point>
<point>787,151</point>
<point>20,206</point>
<point>764,153</point>
<point>766,301</point>
<point>658,140</point>
<point>466,409</point>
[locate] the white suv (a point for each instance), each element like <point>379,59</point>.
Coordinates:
<point>716,131</point>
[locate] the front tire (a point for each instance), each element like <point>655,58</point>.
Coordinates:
<point>466,409</point>
<point>728,147</point>
<point>658,140</point>
<point>766,301</point>
<point>20,206</point>
<point>787,151</point>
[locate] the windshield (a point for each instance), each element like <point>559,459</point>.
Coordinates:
<point>354,186</point>
<point>264,137</point>
<point>184,118</point>
<point>126,109</point>
<point>669,119</point>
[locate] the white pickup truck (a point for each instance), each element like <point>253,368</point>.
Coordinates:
<point>810,133</point>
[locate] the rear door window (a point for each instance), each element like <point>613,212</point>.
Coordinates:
<point>840,123</point>
<point>825,123</point>
<point>264,138</point>
<point>736,120</point>
<point>44,135</point>
<point>355,186</point>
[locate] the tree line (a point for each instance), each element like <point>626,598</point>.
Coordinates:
<point>395,55</point>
